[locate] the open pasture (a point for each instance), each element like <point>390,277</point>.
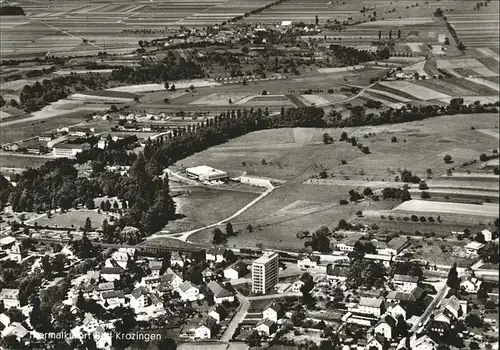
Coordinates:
<point>73,219</point>
<point>477,28</point>
<point>421,206</point>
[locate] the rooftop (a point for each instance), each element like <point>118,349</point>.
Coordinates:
<point>205,170</point>
<point>370,302</point>
<point>264,259</point>
<point>218,290</point>
<point>405,278</point>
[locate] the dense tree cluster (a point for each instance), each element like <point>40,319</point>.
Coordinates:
<point>34,97</point>
<point>11,11</point>
<point>171,68</point>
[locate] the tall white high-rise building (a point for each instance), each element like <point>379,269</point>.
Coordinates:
<point>265,272</point>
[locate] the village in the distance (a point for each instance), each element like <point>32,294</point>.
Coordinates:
<point>236,174</point>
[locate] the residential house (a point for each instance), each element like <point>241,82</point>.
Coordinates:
<point>398,309</point>
<point>473,248</point>
<point>155,266</point>
<point>113,298</point>
<point>121,258</point>
<point>206,329</point>
<point>219,312</point>
<point>296,286</point>
<point>422,343</point>
<point>444,316</point>
<point>111,273</point>
<point>386,326</point>
<point>10,298</point>
<point>471,285</point>
<point>488,236</point>
<point>188,291</point>
<point>215,254</point>
<point>151,282</point>
<point>171,278</point>
<point>7,242</point>
<point>220,293</point>
<point>207,274</point>
<point>237,270</point>
<point>139,298</point>
<point>93,276</point>
<point>156,302</point>
<point>273,311</point>
<point>17,330</point>
<point>338,273</point>
<point>371,306</point>
<point>176,259</point>
<point>347,245</point>
<point>106,286</point>
<point>266,327</point>
<point>376,341</point>
<point>416,294</point>
<point>4,319</point>
<point>308,262</point>
<point>393,247</point>
<point>17,252</point>
<point>405,283</point>
<point>456,306</point>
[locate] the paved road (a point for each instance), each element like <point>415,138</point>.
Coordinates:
<point>237,319</point>
<point>428,312</point>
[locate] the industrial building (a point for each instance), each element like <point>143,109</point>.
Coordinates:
<point>265,272</point>
<point>206,173</point>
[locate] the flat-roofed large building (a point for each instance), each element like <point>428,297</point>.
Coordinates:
<point>206,173</point>
<point>265,272</point>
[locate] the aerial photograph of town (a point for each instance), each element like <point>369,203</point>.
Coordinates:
<point>249,174</point>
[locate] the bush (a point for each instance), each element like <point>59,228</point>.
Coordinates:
<point>447,159</point>
<point>423,219</point>
<point>430,219</point>
<point>406,218</point>
<point>423,185</point>
<point>343,202</point>
<point>343,161</point>
<point>368,191</point>
<point>425,195</point>
<point>394,139</point>
<point>382,216</point>
<point>359,213</point>
<point>414,218</point>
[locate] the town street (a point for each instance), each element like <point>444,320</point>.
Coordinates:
<point>237,319</point>
<point>428,312</point>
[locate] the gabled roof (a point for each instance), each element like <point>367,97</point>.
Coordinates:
<point>341,271</point>
<point>387,319</point>
<point>106,286</point>
<point>155,265</point>
<point>238,266</point>
<point>311,257</point>
<point>209,322</point>
<point>405,278</point>
<point>218,290</point>
<point>95,274</point>
<point>220,310</point>
<point>274,306</point>
<point>207,272</point>
<point>370,302</point>
<point>379,338</point>
<point>16,329</point>
<point>113,294</point>
<point>452,302</point>
<point>184,287</point>
<point>267,322</point>
<point>155,299</point>
<point>111,270</point>
<point>397,242</point>
<point>216,251</point>
<point>9,293</point>
<point>138,292</point>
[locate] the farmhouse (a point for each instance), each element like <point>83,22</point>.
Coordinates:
<point>113,298</point>
<point>188,291</point>
<point>266,327</point>
<point>386,326</point>
<point>411,296</point>
<point>338,273</point>
<point>206,173</point>
<point>369,306</point>
<point>348,244</point>
<point>471,285</point>
<point>111,273</point>
<point>218,313</point>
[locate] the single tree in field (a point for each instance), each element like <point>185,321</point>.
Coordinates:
<point>399,33</point>
<point>88,225</point>
<point>317,20</point>
<point>229,229</point>
<point>166,85</point>
<point>379,35</point>
<point>447,159</point>
<point>390,34</point>
<point>218,236</point>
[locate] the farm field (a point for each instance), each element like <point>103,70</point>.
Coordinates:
<point>296,154</point>
<point>22,162</point>
<point>62,26</point>
<point>421,206</point>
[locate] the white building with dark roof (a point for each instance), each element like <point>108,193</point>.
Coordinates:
<point>188,291</point>
<point>206,173</point>
<point>405,283</point>
<point>221,294</point>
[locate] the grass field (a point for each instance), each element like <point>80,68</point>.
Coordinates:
<point>422,206</point>
<point>204,206</point>
<point>74,218</point>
